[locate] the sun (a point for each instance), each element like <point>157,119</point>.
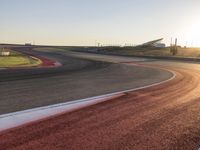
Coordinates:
<point>192,32</point>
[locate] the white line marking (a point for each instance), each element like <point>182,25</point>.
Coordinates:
<point>12,120</point>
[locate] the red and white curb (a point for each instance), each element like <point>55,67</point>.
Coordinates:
<point>15,119</point>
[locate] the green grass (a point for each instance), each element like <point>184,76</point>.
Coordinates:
<point>18,60</point>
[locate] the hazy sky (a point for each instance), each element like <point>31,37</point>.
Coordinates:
<point>82,22</point>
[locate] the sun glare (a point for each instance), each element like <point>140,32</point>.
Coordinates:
<point>192,33</point>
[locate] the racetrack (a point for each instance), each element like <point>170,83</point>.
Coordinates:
<point>165,116</point>
<point>77,78</point>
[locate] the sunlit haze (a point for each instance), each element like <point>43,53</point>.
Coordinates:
<point>85,22</point>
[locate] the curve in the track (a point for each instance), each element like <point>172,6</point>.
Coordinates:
<point>31,115</point>
<point>161,117</point>
<point>76,79</point>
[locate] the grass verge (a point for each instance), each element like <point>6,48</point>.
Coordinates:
<point>18,60</point>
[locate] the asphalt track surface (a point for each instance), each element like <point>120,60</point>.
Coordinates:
<point>23,89</point>
<point>166,116</point>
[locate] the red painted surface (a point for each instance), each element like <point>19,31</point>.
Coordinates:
<point>161,117</point>
<point>46,62</point>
